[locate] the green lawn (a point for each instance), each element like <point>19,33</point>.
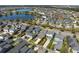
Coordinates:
<point>65,46</point>
<point>42,41</point>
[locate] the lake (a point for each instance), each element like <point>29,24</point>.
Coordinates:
<point>19,16</point>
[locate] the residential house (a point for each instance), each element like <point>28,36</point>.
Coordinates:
<point>24,49</point>
<point>18,26</point>
<point>28,34</point>
<point>6,36</point>
<point>12,30</point>
<point>43,20</point>
<point>33,33</point>
<point>2,44</point>
<point>9,41</point>
<point>1,49</point>
<point>76,22</point>
<point>59,23</point>
<point>39,49</point>
<point>52,22</point>
<point>29,30</point>
<point>49,36</point>
<point>30,50</point>
<point>6,48</point>
<point>17,48</point>
<point>6,29</point>
<point>40,36</point>
<point>23,27</point>
<point>1,37</point>
<point>73,44</point>
<point>58,41</point>
<point>1,23</point>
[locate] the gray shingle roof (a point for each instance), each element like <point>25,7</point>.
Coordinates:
<point>30,51</point>
<point>2,44</point>
<point>73,43</point>
<point>7,46</point>
<point>41,34</point>
<point>58,45</point>
<point>24,49</point>
<point>9,41</point>
<point>29,29</point>
<point>17,48</point>
<point>34,32</point>
<point>1,49</point>
<point>50,34</point>
<point>61,37</point>
<point>59,42</point>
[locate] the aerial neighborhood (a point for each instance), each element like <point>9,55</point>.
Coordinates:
<point>27,29</point>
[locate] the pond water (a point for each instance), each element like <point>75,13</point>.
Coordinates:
<point>24,9</point>
<point>19,16</point>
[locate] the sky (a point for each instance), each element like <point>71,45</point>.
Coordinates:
<point>39,2</point>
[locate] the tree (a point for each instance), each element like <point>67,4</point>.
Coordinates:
<point>9,26</point>
<point>17,20</point>
<point>0,15</point>
<point>11,13</point>
<point>17,13</point>
<point>77,23</point>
